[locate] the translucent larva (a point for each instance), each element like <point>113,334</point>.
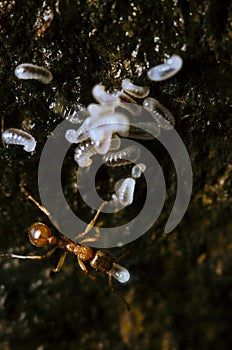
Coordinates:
<point>122,157</point>
<point>71,136</point>
<point>137,170</point>
<point>120,273</point>
<point>86,150</point>
<point>72,111</point>
<point>123,97</point>
<point>125,191</point>
<point>143,131</point>
<point>164,71</point>
<point>31,71</point>
<point>18,137</point>
<point>107,143</point>
<point>134,90</point>
<point>99,129</point>
<point>101,96</point>
<point>83,153</point>
<point>161,114</point>
<point>96,110</point>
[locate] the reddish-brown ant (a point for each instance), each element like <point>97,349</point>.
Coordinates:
<point>40,235</point>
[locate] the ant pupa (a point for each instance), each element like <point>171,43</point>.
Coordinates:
<point>41,235</point>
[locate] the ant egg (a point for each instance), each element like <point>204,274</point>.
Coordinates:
<point>125,191</point>
<point>31,71</point>
<point>134,90</point>
<point>164,71</point>
<point>123,157</point>
<point>18,137</point>
<point>137,170</point>
<point>120,273</point>
<point>161,114</point>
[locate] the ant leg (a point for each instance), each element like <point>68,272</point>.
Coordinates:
<point>32,257</point>
<point>29,196</point>
<point>2,124</point>
<point>60,262</point>
<point>94,238</point>
<point>84,268</point>
<point>82,265</point>
<point>118,294</point>
<point>92,222</point>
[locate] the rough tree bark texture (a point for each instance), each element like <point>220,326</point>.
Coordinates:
<point>180,287</point>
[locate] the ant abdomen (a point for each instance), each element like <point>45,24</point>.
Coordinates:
<point>41,235</point>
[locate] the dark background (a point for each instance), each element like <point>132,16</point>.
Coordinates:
<point>180,287</point>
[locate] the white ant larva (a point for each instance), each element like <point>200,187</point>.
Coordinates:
<point>137,170</point>
<point>143,130</point>
<point>160,113</point>
<point>83,153</point>
<point>74,112</point>
<point>125,191</point>
<point>99,129</point>
<point>101,96</point>
<point>86,150</point>
<point>134,90</point>
<point>164,71</point>
<point>31,71</point>
<point>122,157</point>
<point>19,137</point>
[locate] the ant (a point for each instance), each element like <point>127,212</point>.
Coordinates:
<point>41,235</point>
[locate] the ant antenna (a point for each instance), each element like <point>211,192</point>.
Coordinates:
<point>118,294</point>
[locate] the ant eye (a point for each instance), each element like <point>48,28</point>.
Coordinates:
<point>41,235</point>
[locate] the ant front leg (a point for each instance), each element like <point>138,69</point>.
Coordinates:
<point>60,263</point>
<point>31,257</point>
<point>90,226</point>
<point>94,238</point>
<point>29,196</point>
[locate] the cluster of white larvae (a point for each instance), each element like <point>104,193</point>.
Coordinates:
<point>100,124</point>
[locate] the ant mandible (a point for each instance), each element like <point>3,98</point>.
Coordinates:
<point>41,235</point>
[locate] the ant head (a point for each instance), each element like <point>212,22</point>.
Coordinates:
<point>41,235</point>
